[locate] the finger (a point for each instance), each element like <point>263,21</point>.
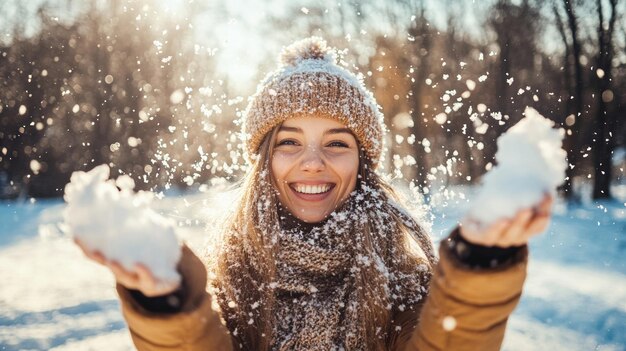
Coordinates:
<point>516,229</point>
<point>473,232</point>
<point>98,257</point>
<point>94,255</point>
<point>82,247</point>
<point>145,275</point>
<point>128,279</point>
<point>495,231</point>
<point>549,200</point>
<point>538,225</point>
<point>77,242</point>
<point>545,207</point>
<point>150,285</point>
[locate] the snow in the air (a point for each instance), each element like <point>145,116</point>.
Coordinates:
<point>107,216</point>
<point>531,164</point>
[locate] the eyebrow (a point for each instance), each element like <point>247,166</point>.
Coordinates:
<point>329,131</point>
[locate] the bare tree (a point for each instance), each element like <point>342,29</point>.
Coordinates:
<point>605,121</point>
<point>572,138</point>
<point>420,48</point>
<point>570,114</point>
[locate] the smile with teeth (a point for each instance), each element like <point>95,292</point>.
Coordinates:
<point>311,189</point>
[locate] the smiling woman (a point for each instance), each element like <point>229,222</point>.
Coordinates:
<point>314,166</point>
<point>318,253</point>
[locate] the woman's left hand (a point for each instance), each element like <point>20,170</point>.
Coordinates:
<point>515,231</point>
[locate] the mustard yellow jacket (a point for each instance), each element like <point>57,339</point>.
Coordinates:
<point>465,309</point>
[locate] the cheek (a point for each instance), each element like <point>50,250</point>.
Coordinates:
<point>277,166</point>
<point>354,171</point>
<point>280,166</point>
<point>347,168</point>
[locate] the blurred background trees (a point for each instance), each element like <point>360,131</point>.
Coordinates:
<point>155,88</point>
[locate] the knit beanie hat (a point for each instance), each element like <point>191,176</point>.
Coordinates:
<point>309,82</point>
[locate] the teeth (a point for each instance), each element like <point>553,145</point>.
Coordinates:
<point>312,189</point>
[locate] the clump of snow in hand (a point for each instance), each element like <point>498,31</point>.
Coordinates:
<point>120,224</point>
<point>531,163</point>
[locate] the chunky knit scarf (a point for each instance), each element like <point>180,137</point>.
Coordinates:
<point>320,293</point>
<point>317,306</point>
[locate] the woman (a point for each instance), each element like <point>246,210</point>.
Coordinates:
<point>318,254</point>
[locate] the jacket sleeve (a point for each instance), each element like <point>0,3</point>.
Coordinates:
<point>197,326</point>
<point>467,309</point>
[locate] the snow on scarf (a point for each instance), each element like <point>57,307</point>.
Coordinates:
<point>316,303</point>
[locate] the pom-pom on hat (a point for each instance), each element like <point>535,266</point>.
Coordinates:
<point>308,82</point>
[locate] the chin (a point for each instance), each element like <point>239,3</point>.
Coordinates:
<point>313,217</point>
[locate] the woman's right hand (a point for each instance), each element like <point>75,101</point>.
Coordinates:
<point>515,231</point>
<point>140,278</point>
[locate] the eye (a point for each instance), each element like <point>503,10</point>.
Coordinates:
<point>337,144</point>
<point>289,142</point>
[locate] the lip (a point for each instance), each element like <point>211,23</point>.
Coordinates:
<point>312,197</point>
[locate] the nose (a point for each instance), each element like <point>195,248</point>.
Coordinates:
<point>312,160</point>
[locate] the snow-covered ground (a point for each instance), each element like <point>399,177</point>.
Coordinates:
<point>52,298</point>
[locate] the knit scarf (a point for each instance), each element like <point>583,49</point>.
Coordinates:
<point>317,302</point>
<point>326,275</point>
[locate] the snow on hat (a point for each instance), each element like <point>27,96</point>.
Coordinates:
<point>308,82</point>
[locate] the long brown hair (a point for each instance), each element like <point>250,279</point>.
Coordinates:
<point>244,269</point>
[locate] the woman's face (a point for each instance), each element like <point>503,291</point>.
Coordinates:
<point>315,165</point>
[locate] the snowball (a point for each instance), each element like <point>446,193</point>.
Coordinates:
<point>120,224</point>
<point>531,163</point>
